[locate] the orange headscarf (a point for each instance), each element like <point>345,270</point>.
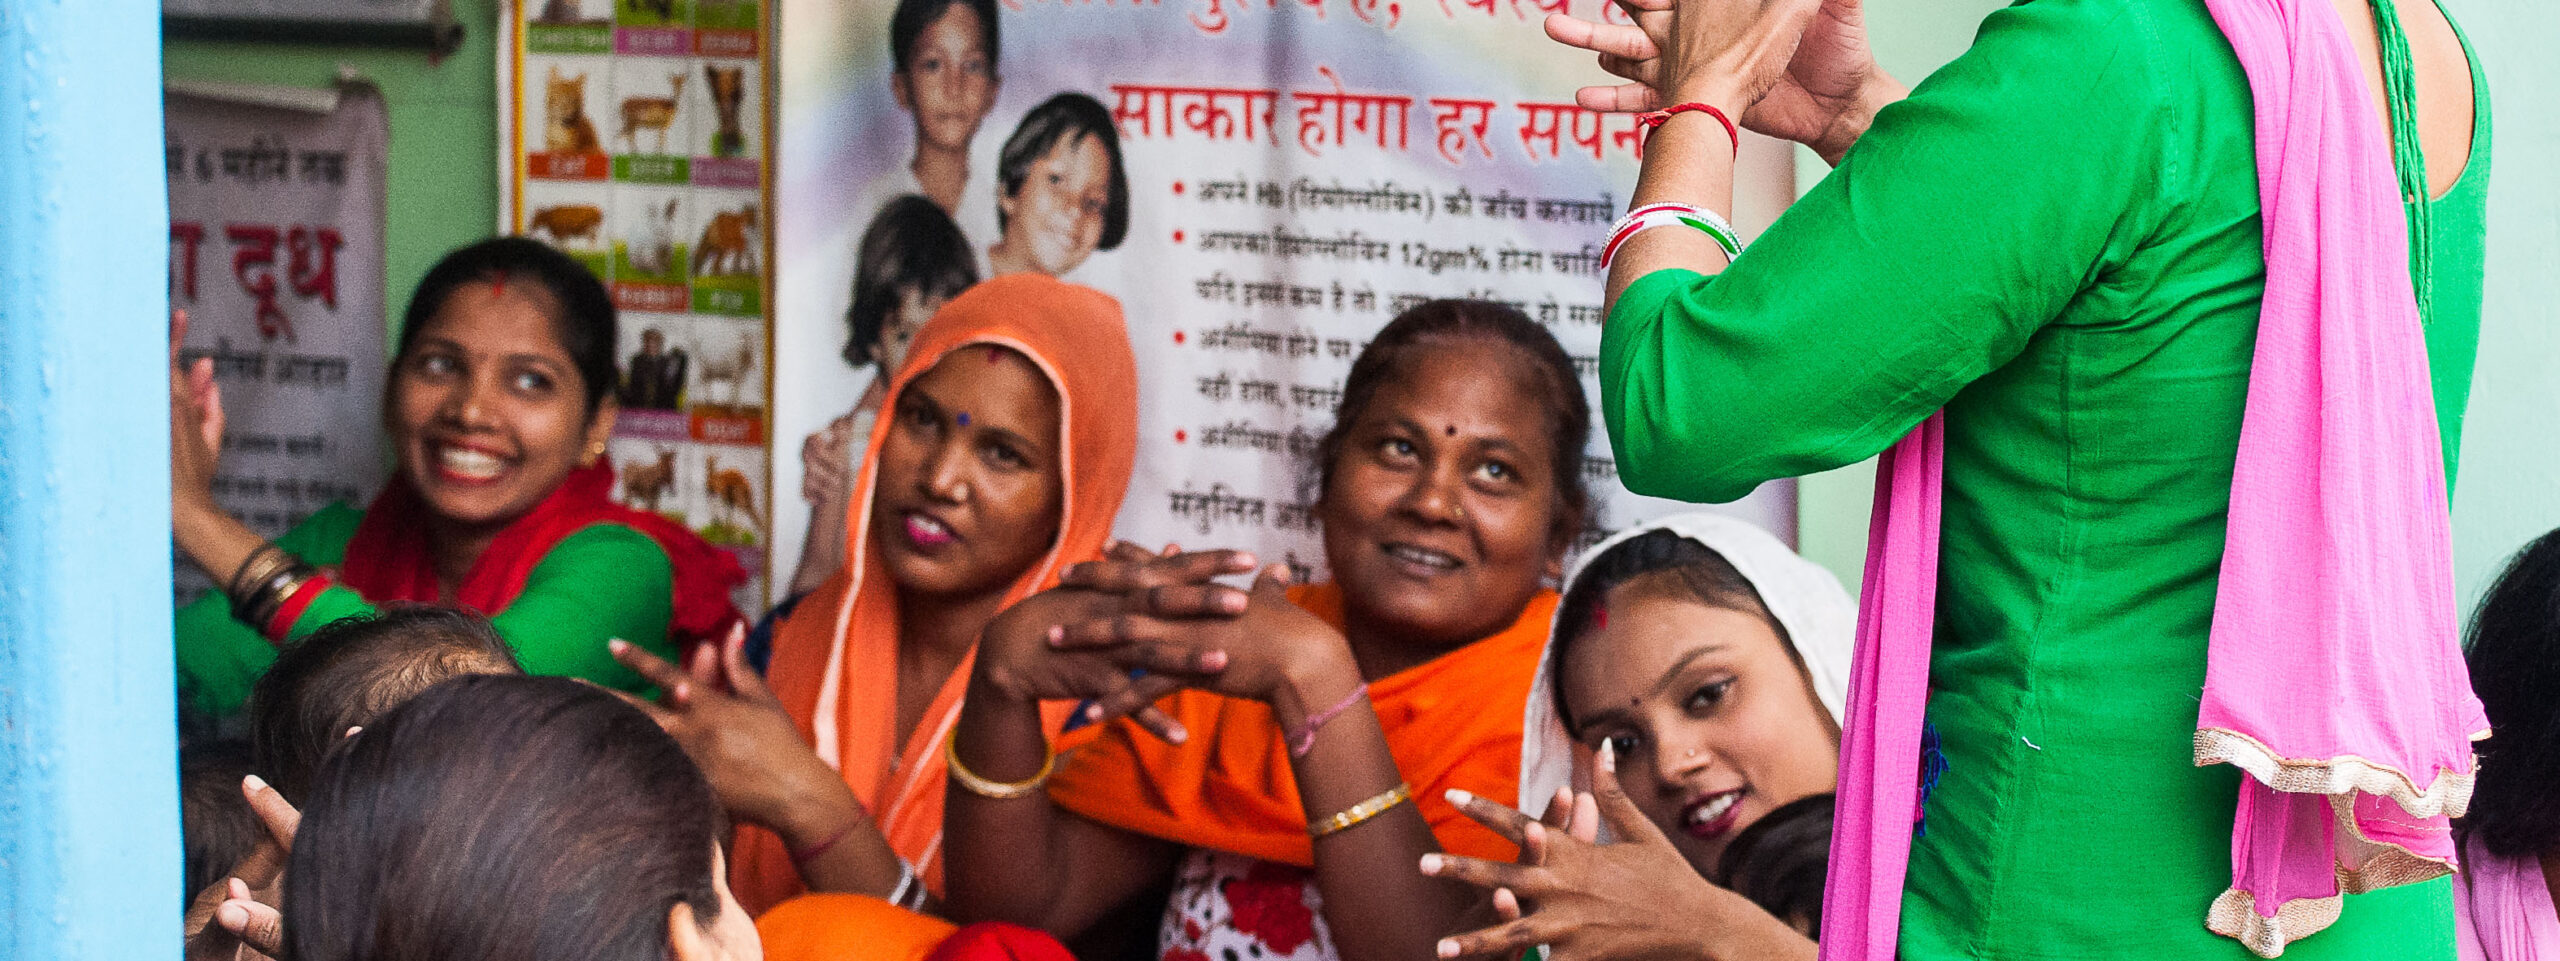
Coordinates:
<point>835,661</point>
<point>1453,722</point>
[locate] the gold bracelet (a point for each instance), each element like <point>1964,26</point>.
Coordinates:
<point>971,782</point>
<point>1353,815</point>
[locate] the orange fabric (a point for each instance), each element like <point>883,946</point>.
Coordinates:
<point>1451,723</point>
<point>1075,335</point>
<point>848,927</point>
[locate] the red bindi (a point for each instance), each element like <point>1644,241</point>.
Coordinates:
<point>498,285</point>
<point>1600,618</point>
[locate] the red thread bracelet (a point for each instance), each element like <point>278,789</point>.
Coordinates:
<point>802,857</point>
<point>1662,116</point>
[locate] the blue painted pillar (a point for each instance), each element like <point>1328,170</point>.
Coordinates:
<point>89,848</point>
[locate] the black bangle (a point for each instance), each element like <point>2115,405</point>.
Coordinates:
<point>233,587</point>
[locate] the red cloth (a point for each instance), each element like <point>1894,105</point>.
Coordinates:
<point>388,559</point>
<point>998,941</point>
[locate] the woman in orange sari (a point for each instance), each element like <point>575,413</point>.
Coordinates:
<point>1320,725</point>
<point>1011,434</point>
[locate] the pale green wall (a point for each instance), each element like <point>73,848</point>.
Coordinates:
<point>444,134</point>
<point>2510,483</point>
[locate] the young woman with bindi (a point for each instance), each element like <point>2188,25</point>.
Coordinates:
<point>1009,440</point>
<point>511,819</point>
<point>2503,899</point>
<point>943,54</point>
<point>1693,687</point>
<point>1318,724</point>
<point>1063,192</point>
<point>496,410</point>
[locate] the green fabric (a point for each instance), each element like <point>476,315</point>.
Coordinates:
<point>605,581</point>
<point>2057,239</point>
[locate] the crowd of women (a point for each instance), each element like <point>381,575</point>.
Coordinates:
<point>993,731</point>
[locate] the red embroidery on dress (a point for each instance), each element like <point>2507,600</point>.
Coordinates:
<point>1269,903</point>
<point>1184,954</point>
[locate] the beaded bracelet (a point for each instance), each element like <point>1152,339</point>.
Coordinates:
<point>974,783</point>
<point>1654,215</point>
<point>1351,817</point>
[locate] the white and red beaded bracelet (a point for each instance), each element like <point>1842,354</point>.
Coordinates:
<point>1654,215</point>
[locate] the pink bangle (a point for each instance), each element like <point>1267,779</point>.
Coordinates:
<point>802,857</point>
<point>1304,738</point>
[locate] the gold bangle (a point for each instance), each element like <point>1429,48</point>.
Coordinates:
<point>1353,815</point>
<point>971,782</point>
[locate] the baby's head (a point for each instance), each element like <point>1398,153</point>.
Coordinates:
<point>348,673</point>
<point>1781,861</point>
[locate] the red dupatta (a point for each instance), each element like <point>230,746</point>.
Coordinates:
<point>388,559</point>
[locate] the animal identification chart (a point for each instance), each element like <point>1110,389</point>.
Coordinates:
<point>275,253</point>
<point>634,137</point>
<point>1262,184</point>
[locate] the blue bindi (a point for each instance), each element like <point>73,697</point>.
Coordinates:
<point>964,418</point>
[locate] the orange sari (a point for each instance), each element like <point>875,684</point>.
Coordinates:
<point>835,661</point>
<point>1453,722</point>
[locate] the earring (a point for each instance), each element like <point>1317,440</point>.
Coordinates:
<point>595,451</point>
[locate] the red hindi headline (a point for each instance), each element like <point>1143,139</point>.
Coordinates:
<point>1213,17</point>
<point>1339,119</point>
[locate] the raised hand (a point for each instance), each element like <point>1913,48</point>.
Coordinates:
<point>236,918</point>
<point>1254,649</point>
<point>1829,90</point>
<point>734,728</point>
<point>1634,898</point>
<point>195,424</point>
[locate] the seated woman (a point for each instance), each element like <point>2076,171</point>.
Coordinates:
<point>1700,666</point>
<point>1011,434</point>
<point>497,409</point>
<point>2502,899</point>
<point>1323,722</point>
<point>511,819</point>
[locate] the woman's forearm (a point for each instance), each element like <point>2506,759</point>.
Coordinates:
<point>1378,907</point>
<point>215,542</point>
<point>835,843</point>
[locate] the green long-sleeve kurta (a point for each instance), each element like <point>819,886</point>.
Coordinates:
<point>603,582</point>
<point>2057,239</point>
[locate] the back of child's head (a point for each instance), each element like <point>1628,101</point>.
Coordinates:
<point>1780,861</point>
<point>219,827</point>
<point>911,247</point>
<point>349,672</point>
<point>1437,324</point>
<point>2515,667</point>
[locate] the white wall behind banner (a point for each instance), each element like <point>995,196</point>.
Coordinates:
<point>1297,173</point>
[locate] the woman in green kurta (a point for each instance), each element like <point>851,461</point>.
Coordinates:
<point>497,409</point>
<point>2056,238</point>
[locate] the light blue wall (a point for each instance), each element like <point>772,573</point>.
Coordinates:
<point>89,854</point>
<point>2510,483</point>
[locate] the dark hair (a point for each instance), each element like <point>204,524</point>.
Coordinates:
<point>908,23</point>
<point>1686,565</point>
<point>910,245</point>
<point>352,671</point>
<point>2515,668</point>
<point>581,310</point>
<point>1568,411</point>
<point>1058,120</point>
<point>1780,861</point>
<point>219,827</point>
<point>502,818</point>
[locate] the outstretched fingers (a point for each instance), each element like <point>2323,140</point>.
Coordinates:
<point>1121,574</point>
<point>1608,39</point>
<point>1624,819</point>
<point>257,925</point>
<point>1525,881</point>
<point>1501,819</point>
<point>677,684</point>
<point>281,819</point>
<point>1501,940</point>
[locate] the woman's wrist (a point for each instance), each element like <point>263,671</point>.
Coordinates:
<point>814,815</point>
<point>1313,683</point>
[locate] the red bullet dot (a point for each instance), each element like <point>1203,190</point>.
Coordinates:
<point>1177,236</point>
<point>1179,437</point>
<point>1177,187</point>
<point>1177,336</point>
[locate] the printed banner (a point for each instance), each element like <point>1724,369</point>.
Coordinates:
<point>275,253</point>
<point>634,138</point>
<point>1272,182</point>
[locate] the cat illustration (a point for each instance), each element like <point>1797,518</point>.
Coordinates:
<point>728,91</point>
<point>565,127</point>
<point>651,113</point>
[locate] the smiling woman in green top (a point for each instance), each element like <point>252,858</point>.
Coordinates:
<point>497,410</point>
<point>2056,238</point>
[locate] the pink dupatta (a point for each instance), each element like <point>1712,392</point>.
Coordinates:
<point>2334,676</point>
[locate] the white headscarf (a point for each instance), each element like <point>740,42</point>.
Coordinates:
<point>1819,618</point>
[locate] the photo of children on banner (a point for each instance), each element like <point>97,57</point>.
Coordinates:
<point>944,53</point>
<point>911,260</point>
<point>1064,192</point>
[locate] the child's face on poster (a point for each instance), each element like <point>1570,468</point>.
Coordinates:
<point>1059,210</point>
<point>949,84</point>
<point>914,308</point>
